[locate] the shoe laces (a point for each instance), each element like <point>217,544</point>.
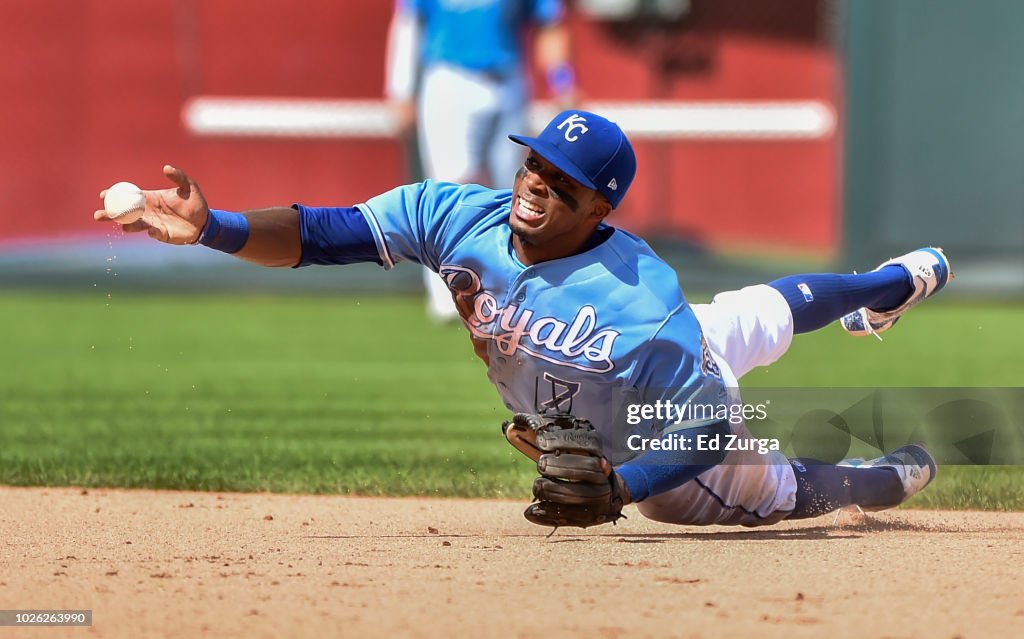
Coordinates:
<point>867,324</point>
<point>866,320</point>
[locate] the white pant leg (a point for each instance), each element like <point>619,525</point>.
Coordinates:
<point>747,328</point>
<point>731,494</point>
<point>456,109</point>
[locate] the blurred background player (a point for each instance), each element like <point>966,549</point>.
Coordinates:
<point>457,75</point>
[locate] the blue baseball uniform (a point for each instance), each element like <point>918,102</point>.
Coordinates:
<point>596,330</point>
<point>481,35</point>
<point>605,327</point>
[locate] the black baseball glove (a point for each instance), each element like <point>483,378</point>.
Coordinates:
<point>577,486</point>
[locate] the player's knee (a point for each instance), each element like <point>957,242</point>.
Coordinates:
<point>662,510</point>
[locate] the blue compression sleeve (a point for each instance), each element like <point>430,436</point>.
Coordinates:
<point>658,471</point>
<point>335,235</point>
<point>819,299</point>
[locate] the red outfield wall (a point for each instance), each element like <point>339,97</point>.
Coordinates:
<point>94,91</point>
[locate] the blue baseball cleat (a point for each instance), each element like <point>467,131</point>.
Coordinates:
<point>915,466</point>
<point>929,269</point>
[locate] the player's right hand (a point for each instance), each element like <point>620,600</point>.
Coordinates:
<point>174,215</point>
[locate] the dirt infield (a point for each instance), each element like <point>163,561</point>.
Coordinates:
<point>175,564</point>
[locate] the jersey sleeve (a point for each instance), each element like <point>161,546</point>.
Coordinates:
<point>418,222</point>
<point>678,367</point>
<point>335,235</point>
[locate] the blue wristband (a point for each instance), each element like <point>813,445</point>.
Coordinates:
<point>225,231</point>
<point>561,79</point>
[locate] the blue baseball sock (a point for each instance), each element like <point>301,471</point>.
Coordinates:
<point>822,488</point>
<point>819,299</point>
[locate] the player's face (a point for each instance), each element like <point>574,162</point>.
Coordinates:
<point>552,215</point>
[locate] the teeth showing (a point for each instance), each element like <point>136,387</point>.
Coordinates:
<point>534,211</point>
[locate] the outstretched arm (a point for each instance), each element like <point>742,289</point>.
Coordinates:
<point>180,214</point>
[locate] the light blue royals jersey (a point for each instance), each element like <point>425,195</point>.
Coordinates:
<point>481,35</point>
<point>593,331</point>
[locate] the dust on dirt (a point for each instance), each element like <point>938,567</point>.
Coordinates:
<point>176,564</point>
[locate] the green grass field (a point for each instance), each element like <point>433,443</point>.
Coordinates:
<point>363,395</point>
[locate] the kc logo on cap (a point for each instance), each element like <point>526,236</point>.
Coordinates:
<point>574,121</point>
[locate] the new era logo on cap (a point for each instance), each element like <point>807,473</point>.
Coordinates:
<point>590,149</point>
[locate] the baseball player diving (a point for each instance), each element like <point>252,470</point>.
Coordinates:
<point>576,320</point>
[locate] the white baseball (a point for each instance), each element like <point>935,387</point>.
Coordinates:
<point>124,202</point>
